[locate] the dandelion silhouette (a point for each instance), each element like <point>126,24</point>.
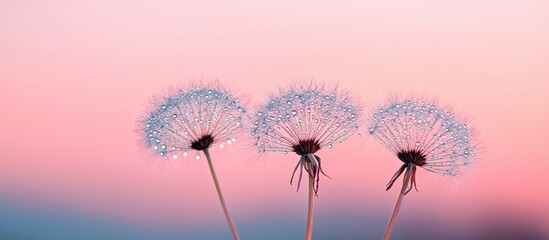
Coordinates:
<point>197,118</point>
<point>421,134</point>
<point>304,119</point>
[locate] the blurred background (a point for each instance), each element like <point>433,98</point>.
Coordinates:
<point>76,75</point>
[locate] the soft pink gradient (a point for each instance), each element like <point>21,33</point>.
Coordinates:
<point>76,75</point>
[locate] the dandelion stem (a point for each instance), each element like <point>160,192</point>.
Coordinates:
<point>406,180</point>
<point>310,212</point>
<point>220,194</point>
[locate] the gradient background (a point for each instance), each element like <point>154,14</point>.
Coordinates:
<point>75,76</point>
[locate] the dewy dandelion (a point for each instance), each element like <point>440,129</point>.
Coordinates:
<point>196,118</point>
<point>421,134</point>
<point>304,119</point>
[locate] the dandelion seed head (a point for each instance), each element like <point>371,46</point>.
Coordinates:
<point>424,134</point>
<point>196,118</point>
<point>305,118</point>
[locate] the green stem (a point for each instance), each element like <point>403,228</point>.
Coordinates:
<point>310,212</point>
<point>405,182</point>
<point>220,194</point>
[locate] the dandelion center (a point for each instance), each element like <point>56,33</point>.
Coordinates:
<point>412,156</point>
<point>202,143</point>
<point>306,147</point>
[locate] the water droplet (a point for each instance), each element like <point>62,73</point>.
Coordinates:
<point>197,157</point>
<point>175,156</point>
<point>229,141</point>
<point>330,146</point>
<point>185,154</point>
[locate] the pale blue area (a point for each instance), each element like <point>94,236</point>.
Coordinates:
<point>21,221</point>
<point>18,221</point>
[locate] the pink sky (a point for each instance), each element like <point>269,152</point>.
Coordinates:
<point>76,75</point>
